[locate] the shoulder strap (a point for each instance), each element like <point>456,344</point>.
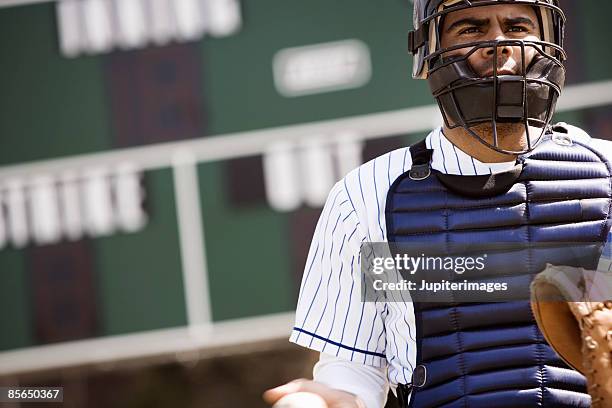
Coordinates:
<point>421,158</point>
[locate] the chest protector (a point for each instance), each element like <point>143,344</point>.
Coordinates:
<point>493,355</point>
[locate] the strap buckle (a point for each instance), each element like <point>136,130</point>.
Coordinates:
<point>419,172</point>
<point>418,380</point>
<point>421,157</point>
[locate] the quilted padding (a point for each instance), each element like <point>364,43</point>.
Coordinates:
<point>493,354</point>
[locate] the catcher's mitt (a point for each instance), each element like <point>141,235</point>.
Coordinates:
<point>573,309</point>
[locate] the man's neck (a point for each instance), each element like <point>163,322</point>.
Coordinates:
<point>510,138</point>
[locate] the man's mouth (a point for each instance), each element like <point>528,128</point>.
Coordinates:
<point>499,72</point>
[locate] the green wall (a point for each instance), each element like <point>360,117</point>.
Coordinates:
<point>52,107</point>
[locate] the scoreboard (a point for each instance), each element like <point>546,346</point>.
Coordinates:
<point>159,196</point>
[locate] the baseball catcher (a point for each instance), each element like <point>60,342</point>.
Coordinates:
<point>496,171</point>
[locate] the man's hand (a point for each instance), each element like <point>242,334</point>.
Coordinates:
<point>573,308</point>
<point>332,398</point>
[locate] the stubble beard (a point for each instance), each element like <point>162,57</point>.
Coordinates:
<point>510,136</point>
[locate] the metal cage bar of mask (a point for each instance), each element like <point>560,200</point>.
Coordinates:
<point>421,37</point>
<point>437,59</point>
<point>465,4</point>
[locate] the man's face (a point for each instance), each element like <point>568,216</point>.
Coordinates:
<point>489,23</point>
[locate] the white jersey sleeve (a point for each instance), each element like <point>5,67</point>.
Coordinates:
<point>368,383</point>
<point>330,316</point>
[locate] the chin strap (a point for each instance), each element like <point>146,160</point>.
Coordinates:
<point>416,39</point>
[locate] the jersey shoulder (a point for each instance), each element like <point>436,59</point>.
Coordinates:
<point>383,166</point>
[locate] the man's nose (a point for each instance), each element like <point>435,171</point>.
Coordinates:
<point>504,50</point>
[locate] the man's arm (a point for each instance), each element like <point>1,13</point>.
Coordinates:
<point>331,317</point>
<point>367,382</point>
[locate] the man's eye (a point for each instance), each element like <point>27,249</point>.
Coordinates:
<point>470,30</point>
<point>517,29</point>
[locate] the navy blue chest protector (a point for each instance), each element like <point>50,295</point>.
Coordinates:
<point>493,354</point>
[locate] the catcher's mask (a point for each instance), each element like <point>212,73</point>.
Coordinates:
<point>466,99</point>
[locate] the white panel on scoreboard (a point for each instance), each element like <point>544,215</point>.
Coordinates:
<point>96,26</point>
<point>47,208</point>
